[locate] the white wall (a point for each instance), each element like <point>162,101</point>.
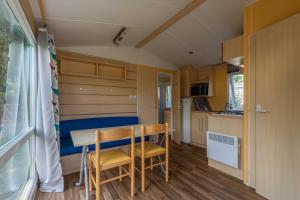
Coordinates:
<point>127,54</point>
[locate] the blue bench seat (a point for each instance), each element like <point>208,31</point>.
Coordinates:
<point>66,144</point>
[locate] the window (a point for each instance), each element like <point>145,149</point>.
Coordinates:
<point>168,96</point>
<point>15,173</point>
<point>236,91</point>
<point>17,89</point>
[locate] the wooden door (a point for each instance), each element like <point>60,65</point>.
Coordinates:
<point>176,106</point>
<point>277,98</point>
<point>147,95</point>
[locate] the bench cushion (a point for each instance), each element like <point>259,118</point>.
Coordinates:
<point>66,144</point>
<point>81,124</point>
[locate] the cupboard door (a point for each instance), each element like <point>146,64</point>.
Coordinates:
<point>194,129</point>
<point>199,128</point>
<point>204,129</point>
<point>233,50</point>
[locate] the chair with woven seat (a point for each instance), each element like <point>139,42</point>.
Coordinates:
<point>150,150</point>
<point>100,161</point>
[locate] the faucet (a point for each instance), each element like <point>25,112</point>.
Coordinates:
<point>226,107</point>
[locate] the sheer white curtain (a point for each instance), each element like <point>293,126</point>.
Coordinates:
<point>47,153</point>
<point>15,60</point>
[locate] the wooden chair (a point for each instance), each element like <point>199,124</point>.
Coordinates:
<point>109,159</point>
<point>149,150</point>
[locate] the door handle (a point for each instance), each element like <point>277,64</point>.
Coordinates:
<point>259,109</point>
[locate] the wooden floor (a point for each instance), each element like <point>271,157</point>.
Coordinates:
<point>190,178</point>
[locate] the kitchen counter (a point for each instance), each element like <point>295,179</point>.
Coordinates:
<point>229,125</point>
<point>219,114</point>
<point>227,115</point>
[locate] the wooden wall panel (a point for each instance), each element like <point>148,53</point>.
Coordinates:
<point>94,81</point>
<point>147,95</point>
<point>95,109</point>
<point>95,89</point>
<point>88,97</point>
<point>176,107</point>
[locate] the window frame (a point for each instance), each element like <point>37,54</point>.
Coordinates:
<point>9,149</point>
<point>228,89</point>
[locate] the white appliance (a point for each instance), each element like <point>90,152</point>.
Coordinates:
<point>186,107</point>
<point>223,148</point>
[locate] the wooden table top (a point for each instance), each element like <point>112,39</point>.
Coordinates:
<point>88,136</point>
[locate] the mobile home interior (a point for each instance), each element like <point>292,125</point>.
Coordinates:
<point>150,99</point>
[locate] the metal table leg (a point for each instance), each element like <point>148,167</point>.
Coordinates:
<point>83,155</point>
<point>86,179</point>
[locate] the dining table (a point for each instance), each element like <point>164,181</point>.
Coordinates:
<point>86,137</point>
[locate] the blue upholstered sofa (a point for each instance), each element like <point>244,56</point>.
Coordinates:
<point>66,144</point>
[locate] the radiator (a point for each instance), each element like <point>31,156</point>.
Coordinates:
<point>223,148</point>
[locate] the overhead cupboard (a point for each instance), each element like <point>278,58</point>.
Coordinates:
<point>196,81</point>
<point>93,69</point>
<point>233,50</point>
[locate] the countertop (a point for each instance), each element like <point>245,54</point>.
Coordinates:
<point>218,114</point>
<point>227,115</point>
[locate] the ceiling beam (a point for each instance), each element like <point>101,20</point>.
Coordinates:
<point>182,13</point>
<point>42,11</point>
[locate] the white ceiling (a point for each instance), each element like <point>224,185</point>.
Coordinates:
<point>96,22</point>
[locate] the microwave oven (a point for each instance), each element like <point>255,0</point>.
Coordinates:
<point>200,89</point>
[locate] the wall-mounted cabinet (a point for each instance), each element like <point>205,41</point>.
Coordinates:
<point>206,75</point>
<point>233,51</point>
<point>78,67</point>
<point>111,71</point>
<point>190,76</point>
<point>93,69</point>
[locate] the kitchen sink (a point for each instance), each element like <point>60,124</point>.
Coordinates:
<point>231,113</point>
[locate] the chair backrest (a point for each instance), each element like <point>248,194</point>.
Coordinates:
<point>154,129</point>
<point>113,135</point>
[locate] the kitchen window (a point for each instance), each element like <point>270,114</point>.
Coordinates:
<point>236,91</point>
<point>17,104</point>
